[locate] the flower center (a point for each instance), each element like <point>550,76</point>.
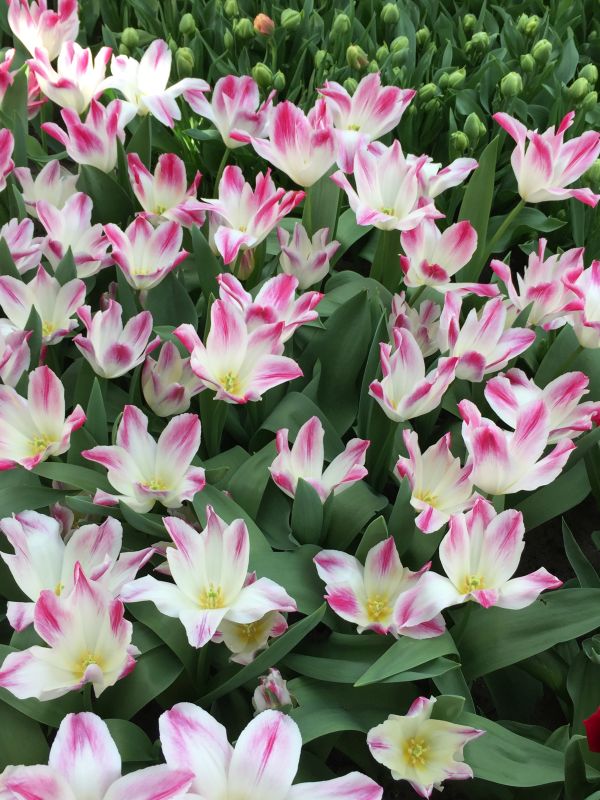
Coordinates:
<point>415,750</point>
<point>472,583</point>
<point>86,661</point>
<point>58,589</point>
<point>160,210</point>
<point>38,444</point>
<point>156,485</point>
<point>387,210</point>
<point>48,328</point>
<point>212,597</point>
<point>230,383</point>
<point>378,607</point>
<point>426,497</point>
<point>354,127</point>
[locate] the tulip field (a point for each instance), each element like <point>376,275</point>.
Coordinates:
<point>299,400</point>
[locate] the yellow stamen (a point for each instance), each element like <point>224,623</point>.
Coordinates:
<point>378,607</point>
<point>48,328</point>
<point>230,383</point>
<point>427,497</point>
<point>38,444</point>
<point>387,210</point>
<point>156,485</point>
<point>415,750</point>
<point>354,127</point>
<point>58,589</point>
<point>86,660</point>
<point>472,583</point>
<point>212,597</point>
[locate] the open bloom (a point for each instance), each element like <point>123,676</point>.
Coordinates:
<point>235,106</point>
<point>405,391</point>
<point>88,638</point>
<point>509,392</point>
<point>7,144</point>
<point>144,471</point>
<point>275,302</point>
<point>110,348</point>
<point>165,195</point>
<point>35,428</point>
<point>301,145</point>
<point>169,383</point>
<point>55,304</point>
<point>77,77</point>
<point>238,364</point>
<point>383,596</point>
<point>480,554</point>
<point>423,751</point>
<point>387,193</point>
<point>548,164</point>
<point>14,352</point>
<point>84,762</point>
<point>263,763</point>
<point>440,486</point>
<point>271,692</point>
<point>435,179</point>
<point>143,83</point>
<point>71,227</point>
<point>43,560</point>
<point>94,141</point>
<point>307,259</point>
<point>369,113</point>
<point>38,27</point>
<point>210,586</point>
<point>53,183</point>
<point>544,285</point>
<point>511,461</point>
<point>242,217</point>
<point>585,307</point>
<point>422,322</point>
<point>6,76</point>
<point>25,248</point>
<point>305,460</point>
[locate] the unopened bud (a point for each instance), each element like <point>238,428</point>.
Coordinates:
<point>527,62</point>
<point>124,50</point>
<point>243,29</point>
<point>422,36</point>
<point>432,106</point>
<point>522,22</point>
<point>480,41</point>
<point>350,85</point>
<point>459,142</point>
<point>390,14</point>
<point>356,57</point>
<point>130,38</point>
<point>444,81</point>
<point>290,19</point>
<point>590,73</point>
<point>279,81</point>
<point>542,51</point>
<point>579,89</point>
<point>457,78</point>
<point>263,25</point>
<point>373,66</point>
<point>473,128</point>
<point>228,40</point>
<point>426,92</point>
<point>231,8</point>
<point>511,85</point>
<point>187,25</point>
<point>184,58</point>
<point>592,176</point>
<point>589,101</point>
<point>469,23</point>
<point>320,57</point>
<point>382,53</point>
<point>172,44</point>
<point>399,44</point>
<point>341,25</point>
<point>262,75</point>
<point>533,23</point>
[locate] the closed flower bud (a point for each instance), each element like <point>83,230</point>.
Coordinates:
<point>589,101</point>
<point>427,91</point>
<point>432,106</point>
<point>390,14</point>
<point>399,45</point>
<point>480,41</point>
<point>590,73</point>
<point>459,143</point>
<point>443,81</point>
<point>382,53</point>
<point>533,23</point>
<point>527,62</point>
<point>243,29</point>
<point>341,25</point>
<point>320,57</point>
<point>522,22</point>
<point>184,58</point>
<point>592,176</point>
<point>264,24</point>
<point>578,90</point>
<point>231,8</point>
<point>469,23</point>
<point>511,85</point>
<point>350,85</point>
<point>373,66</point>
<point>228,40</point>
<point>172,44</point>
<point>356,57</point>
<point>290,19</point>
<point>456,79</point>
<point>423,36</point>
<point>542,51</point>
<point>187,25</point>
<point>279,81</point>
<point>474,128</point>
<point>124,50</point>
<point>262,75</point>
<point>130,38</point>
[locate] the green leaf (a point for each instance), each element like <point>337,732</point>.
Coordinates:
<point>170,631</point>
<point>567,491</point>
<point>96,415</point>
<point>351,510</point>
<point>296,572</point>
<point>206,263</point>
<point>307,514</point>
<point>80,477</point>
<point>321,205</point>
<point>7,265</point>
<point>141,141</point>
<point>170,302</point>
<point>405,654</point>
<point>15,499</point>
<point>249,482</point>
<point>66,271</point>
<point>21,739</point>
<point>293,411</point>
<point>375,532</point>
<point>111,202</point>
<point>133,744</point>
<point>585,572</point>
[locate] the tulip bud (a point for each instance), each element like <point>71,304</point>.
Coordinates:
<point>356,57</point>
<point>243,29</point>
<point>124,50</point>
<point>231,8</point>
<point>382,53</point>
<point>422,36</point>
<point>390,14</point>
<point>350,85</point>
<point>511,85</point>
<point>533,23</point>
<point>290,19</point>
<point>593,35</point>
<point>480,41</point>
<point>272,692</point>
<point>172,44</point>
<point>130,38</point>
<point>228,40</point>
<point>456,79</point>
<point>432,106</point>
<point>527,62</point>
<point>427,91</point>
<point>444,81</point>
<point>187,25</point>
<point>320,57</point>
<point>264,24</point>
<point>373,66</point>
<point>341,25</point>
<point>590,73</point>
<point>469,23</point>
<point>459,143</point>
<point>399,44</point>
<point>589,101</point>
<point>473,128</point>
<point>592,176</point>
<point>522,22</point>
<point>578,90</point>
<point>262,75</point>
<point>542,51</point>
<point>184,58</point>
<point>279,81</point>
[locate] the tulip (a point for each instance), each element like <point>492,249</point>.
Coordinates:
<point>83,758</point>
<point>88,638</point>
<point>305,258</point>
<point>368,114</point>
<point>6,76</point>
<point>77,78</point>
<point>544,285</point>
<point>509,392</point>
<point>7,144</point>
<point>237,364</point>
<point>263,24</point>
<point>548,165</point>
<point>383,596</point>
<point>145,471</point>
<point>111,349</point>
<point>35,428</point>
<point>210,571</point>
<point>42,560</point>
<point>585,308</point>
<point>246,640</point>
<point>439,485</point>
<point>95,141</point>
<point>302,146</point>
<point>169,383</point>
<point>433,179</point>
<point>422,323</point>
<point>271,692</point>
<point>387,193</point>
<point>423,751</point>
<point>480,554</point>
<point>506,462</point>
<point>242,217</point>
<point>143,84</point>
<point>38,27</point>
<point>235,106</point>
<point>25,248</point>
<point>305,461</point>
<point>405,392</point>
<point>14,353</point>
<point>592,731</point>
<point>263,764</point>
<point>55,304</point>
<point>71,227</point>
<point>165,195</point>
<point>53,183</point>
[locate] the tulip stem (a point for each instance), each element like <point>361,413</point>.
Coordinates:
<point>221,169</point>
<point>415,297</point>
<point>386,266</point>
<point>307,213</point>
<point>508,221</point>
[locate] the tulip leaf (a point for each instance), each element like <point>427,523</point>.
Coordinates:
<point>405,654</point>
<point>79,477</point>
<point>133,744</point>
<point>351,510</point>
<point>248,484</point>
<point>170,301</point>
<point>585,572</point>
<point>567,491</point>
<point>229,510</point>
<point>111,202</point>
<point>375,532</point>
<point>170,631</point>
<point>307,514</point>
<point>293,411</point>
<point>15,499</point>
<point>21,739</point>
<point>96,415</point>
<point>7,265</point>
<point>66,270</point>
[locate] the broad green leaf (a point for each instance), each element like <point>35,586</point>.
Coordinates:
<point>80,477</point>
<point>406,654</point>
<point>170,303</point>
<point>351,510</point>
<point>229,510</point>
<point>169,630</point>
<point>133,744</point>
<point>375,533</point>
<point>293,411</point>
<point>586,574</point>
<point>249,482</point>
<point>111,203</point>
<point>296,572</point>
<point>21,739</point>
<point>307,514</point>
<point>15,499</point>
<point>96,415</point>
<point>567,491</point>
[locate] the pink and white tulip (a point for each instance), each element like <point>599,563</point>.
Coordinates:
<point>38,27</point>
<point>585,307</point>
<point>110,348</point>
<point>305,461</point>
<point>166,195</point>
<point>509,392</point>
<point>234,106</point>
<point>246,640</point>
<point>422,322</point>
<point>405,391</point>
<point>300,145</point>
<point>238,364</point>
<point>305,258</point>
<point>84,762</point>
<point>25,248</point>
<point>210,571</point>
<point>55,304</point>
<point>6,76</point>
<point>547,165</point>
<point>242,217</point>
<point>143,84</point>
<point>34,428</point>
<point>435,179</point>
<point>423,751</point>
<point>53,183</point>
<point>480,554</point>
<point>387,193</point>
<point>77,78</point>
<point>505,462</point>
<point>544,285</point>
<point>14,352</point>
<point>145,471</point>
<point>88,638</point>
<point>7,144</point>
<point>440,486</point>
<point>93,142</point>
<point>372,111</point>
<point>169,383</point>
<point>71,227</point>
<point>271,692</point>
<point>384,596</point>
<point>263,764</point>
<point>43,560</point>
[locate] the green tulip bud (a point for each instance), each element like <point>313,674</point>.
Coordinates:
<point>373,66</point>
<point>590,73</point>
<point>432,106</point>
<point>228,40</point>
<point>341,25</point>
<point>592,176</point>
<point>173,46</point>
<point>578,90</point>
<point>231,8</point>
<point>124,50</point>
<point>527,62</point>
<point>320,57</point>
<point>390,14</point>
<point>130,38</point>
<point>184,58</point>
<point>444,81</point>
<point>262,75</point>
<point>350,85</point>
<point>426,92</point>
<point>411,111</point>
<point>187,25</point>
<point>456,79</point>
<point>593,35</point>
<point>399,44</point>
<point>356,57</point>
<point>279,81</point>
<point>243,29</point>
<point>561,214</point>
<point>480,41</point>
<point>589,101</point>
<point>422,36</point>
<point>469,23</point>
<point>290,19</point>
<point>511,85</point>
<point>533,23</point>
<point>459,143</point>
<point>382,53</point>
<point>522,22</point>
<point>473,128</point>
<point>542,51</point>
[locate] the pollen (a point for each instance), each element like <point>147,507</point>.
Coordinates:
<point>415,751</point>
<point>38,444</point>
<point>472,583</point>
<point>48,328</point>
<point>212,597</point>
<point>58,589</point>
<point>427,497</point>
<point>354,127</point>
<point>156,485</point>
<point>86,660</point>
<point>387,210</point>
<point>230,383</point>
<point>378,607</point>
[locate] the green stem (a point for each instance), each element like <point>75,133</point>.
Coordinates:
<point>415,297</point>
<point>459,628</point>
<point>221,169</point>
<point>570,359</point>
<point>386,266</point>
<point>510,218</point>
<point>307,213</point>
